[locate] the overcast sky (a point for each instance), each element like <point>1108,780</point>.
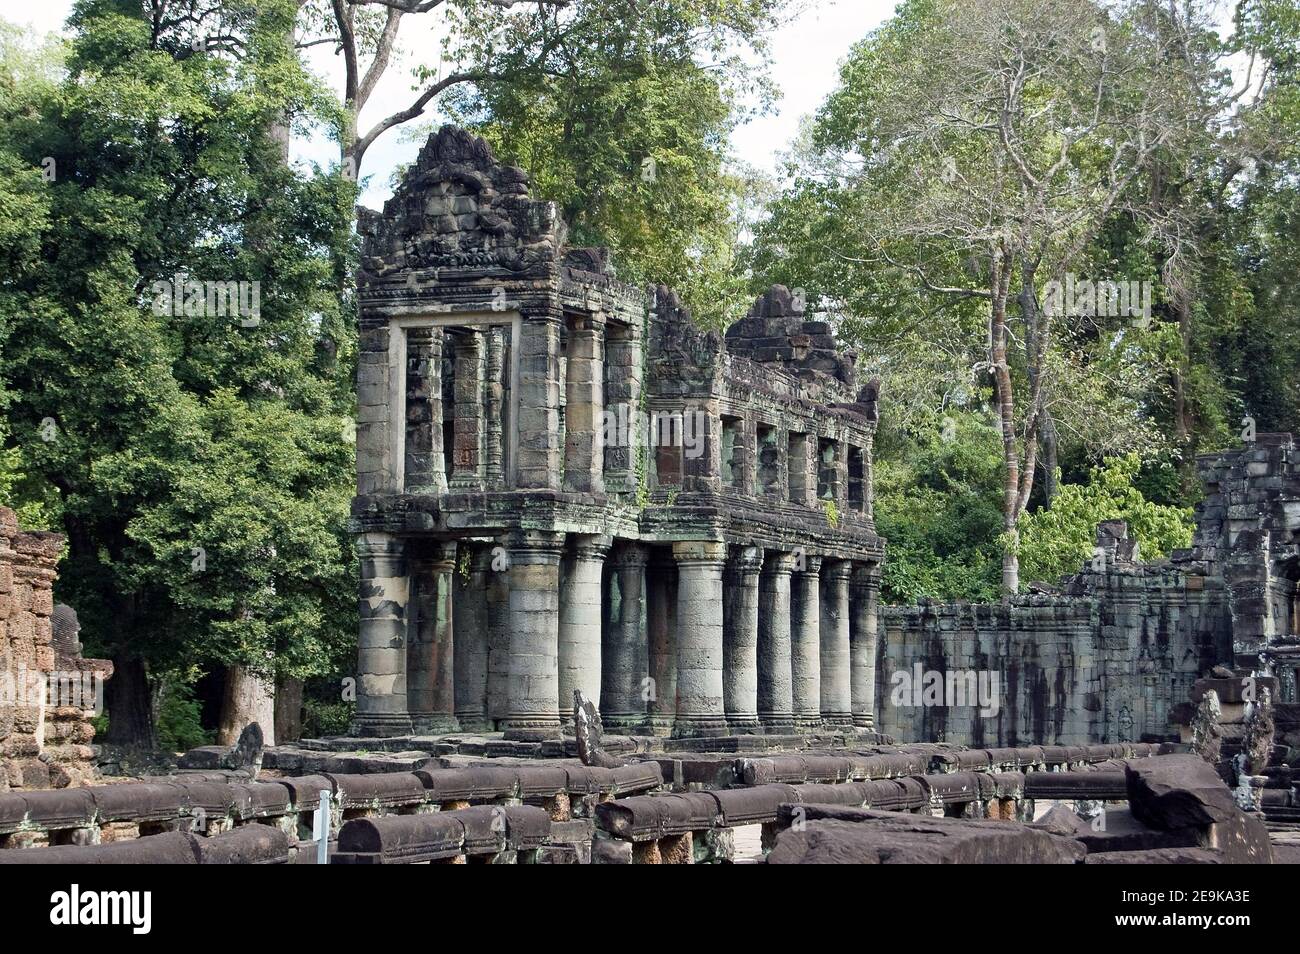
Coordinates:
<point>805,58</point>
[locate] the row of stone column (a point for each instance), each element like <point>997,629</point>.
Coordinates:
<point>717,640</point>
<point>478,389</point>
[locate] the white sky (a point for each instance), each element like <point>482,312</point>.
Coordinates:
<point>805,58</point>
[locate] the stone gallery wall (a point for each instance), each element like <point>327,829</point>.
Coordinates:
<point>1110,653</point>
<point>44,742</point>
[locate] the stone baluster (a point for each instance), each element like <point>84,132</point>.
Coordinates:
<point>424,470</point>
<point>494,400</point>
<point>467,446</point>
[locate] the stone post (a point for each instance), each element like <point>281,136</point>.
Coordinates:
<point>584,446</point>
<point>805,644</point>
<point>836,682</point>
<point>623,399</point>
<point>468,421</point>
<point>494,398</point>
<point>740,649</point>
<point>661,634</point>
<point>699,639</point>
<point>775,699</point>
<point>381,643</point>
<point>498,630</point>
<point>376,464</point>
<point>627,657</point>
<point>533,679</point>
<point>470,639</point>
<point>579,648</point>
<point>862,643</point>
<point>430,660</point>
<point>425,471</point>
<point>539,465</point>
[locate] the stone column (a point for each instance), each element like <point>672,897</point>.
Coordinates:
<point>533,679</point>
<point>740,649</point>
<point>381,643</point>
<point>699,639</point>
<point>470,639</point>
<point>540,459</point>
<point>425,472</point>
<point>623,399</point>
<point>584,445</point>
<point>430,682</point>
<point>661,634</point>
<point>498,630</point>
<point>580,592</point>
<point>376,456</point>
<point>836,681</point>
<point>862,643</point>
<point>467,448</point>
<point>494,399</point>
<point>805,644</point>
<point>627,656</point>
<point>775,701</point>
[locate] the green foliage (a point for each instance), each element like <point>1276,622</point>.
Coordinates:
<point>177,713</point>
<point>625,124</point>
<point>322,719</point>
<point>938,504</point>
<point>180,434</point>
<point>1059,540</point>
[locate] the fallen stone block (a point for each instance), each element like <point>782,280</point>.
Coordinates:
<point>830,835</point>
<point>60,809</point>
<point>400,839</point>
<point>651,817</point>
<point>138,802</point>
<point>247,845</point>
<point>1157,856</point>
<point>394,790</point>
<point>1073,786</point>
<point>168,848</point>
<point>1178,791</point>
<point>470,784</point>
<point>756,805</point>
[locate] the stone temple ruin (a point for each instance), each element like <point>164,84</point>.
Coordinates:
<point>618,604</point>
<point>564,484</point>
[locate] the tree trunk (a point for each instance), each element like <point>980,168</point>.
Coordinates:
<point>288,710</point>
<point>1051,461</point>
<point>1006,416</point>
<point>126,695</point>
<point>1183,309</point>
<point>248,698</point>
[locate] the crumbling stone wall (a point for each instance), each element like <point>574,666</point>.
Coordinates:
<point>42,744</point>
<point>1106,657</point>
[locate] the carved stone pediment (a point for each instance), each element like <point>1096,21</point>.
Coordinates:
<point>458,209</point>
